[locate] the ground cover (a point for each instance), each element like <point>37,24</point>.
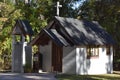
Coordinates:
<point>115,76</point>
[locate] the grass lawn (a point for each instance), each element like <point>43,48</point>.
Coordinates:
<point>88,77</point>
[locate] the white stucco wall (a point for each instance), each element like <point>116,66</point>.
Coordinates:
<point>69,60</point>
<point>47,61</point>
<point>82,64</point>
<point>75,60</point>
<point>95,65</point>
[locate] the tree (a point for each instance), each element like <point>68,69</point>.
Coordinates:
<point>5,25</point>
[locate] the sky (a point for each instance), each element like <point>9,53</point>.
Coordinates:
<point>79,3</point>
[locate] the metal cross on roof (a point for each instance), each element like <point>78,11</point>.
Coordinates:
<point>58,6</point>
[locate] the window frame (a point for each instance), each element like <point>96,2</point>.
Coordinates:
<point>92,51</point>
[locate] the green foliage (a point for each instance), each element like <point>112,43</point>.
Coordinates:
<point>106,12</point>
<point>34,49</point>
<point>5,40</point>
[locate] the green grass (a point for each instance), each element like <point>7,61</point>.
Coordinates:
<point>89,77</point>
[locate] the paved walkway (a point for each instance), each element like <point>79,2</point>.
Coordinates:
<point>27,76</point>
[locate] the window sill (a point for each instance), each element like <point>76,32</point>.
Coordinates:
<point>92,57</point>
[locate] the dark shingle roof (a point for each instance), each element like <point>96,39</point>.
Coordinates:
<point>24,27</point>
<point>84,32</point>
<point>56,37</point>
<point>69,31</point>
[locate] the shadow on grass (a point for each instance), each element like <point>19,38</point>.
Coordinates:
<point>88,77</point>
